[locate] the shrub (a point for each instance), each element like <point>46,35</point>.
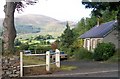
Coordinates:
<point>42,49</point>
<point>115,57</point>
<point>16,48</point>
<point>82,54</point>
<point>68,51</point>
<point>24,46</point>
<point>104,51</point>
<point>32,48</point>
<point>17,42</point>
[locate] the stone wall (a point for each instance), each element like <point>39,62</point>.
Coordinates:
<point>10,67</point>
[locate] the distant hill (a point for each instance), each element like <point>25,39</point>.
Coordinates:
<point>39,24</point>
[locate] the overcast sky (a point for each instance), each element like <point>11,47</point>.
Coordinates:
<point>63,10</point>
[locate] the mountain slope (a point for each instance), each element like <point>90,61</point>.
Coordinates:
<point>39,24</point>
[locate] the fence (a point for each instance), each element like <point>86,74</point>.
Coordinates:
<point>57,60</point>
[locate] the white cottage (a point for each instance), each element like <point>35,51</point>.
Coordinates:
<point>105,32</point>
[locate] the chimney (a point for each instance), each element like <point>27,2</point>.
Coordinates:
<point>98,21</point>
<point>116,19</point>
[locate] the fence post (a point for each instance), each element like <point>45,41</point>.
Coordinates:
<point>48,61</point>
<point>57,58</point>
<point>21,64</point>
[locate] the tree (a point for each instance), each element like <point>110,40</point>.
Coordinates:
<point>84,25</point>
<point>49,36</point>
<point>80,27</point>
<point>98,7</point>
<point>24,46</point>
<point>9,32</point>
<point>67,38</point>
<point>17,42</point>
<point>40,37</point>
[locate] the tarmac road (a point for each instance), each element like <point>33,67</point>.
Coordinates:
<point>87,69</point>
<point>0,72</point>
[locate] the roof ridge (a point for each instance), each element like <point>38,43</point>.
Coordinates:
<point>107,22</point>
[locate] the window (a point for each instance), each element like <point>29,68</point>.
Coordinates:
<point>99,41</point>
<point>93,43</point>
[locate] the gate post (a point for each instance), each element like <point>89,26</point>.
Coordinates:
<point>21,64</point>
<point>47,61</point>
<point>57,58</point>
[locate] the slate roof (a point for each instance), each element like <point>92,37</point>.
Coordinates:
<point>99,31</point>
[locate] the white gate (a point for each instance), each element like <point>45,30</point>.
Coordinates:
<point>57,60</point>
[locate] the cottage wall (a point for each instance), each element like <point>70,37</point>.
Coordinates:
<point>94,42</point>
<point>91,43</point>
<point>112,37</point>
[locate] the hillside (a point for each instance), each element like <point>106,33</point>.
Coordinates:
<point>38,24</point>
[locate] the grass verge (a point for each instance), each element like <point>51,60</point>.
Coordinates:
<point>115,57</point>
<point>42,70</point>
<point>67,68</point>
<point>33,60</point>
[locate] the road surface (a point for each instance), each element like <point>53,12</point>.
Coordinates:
<point>86,69</point>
